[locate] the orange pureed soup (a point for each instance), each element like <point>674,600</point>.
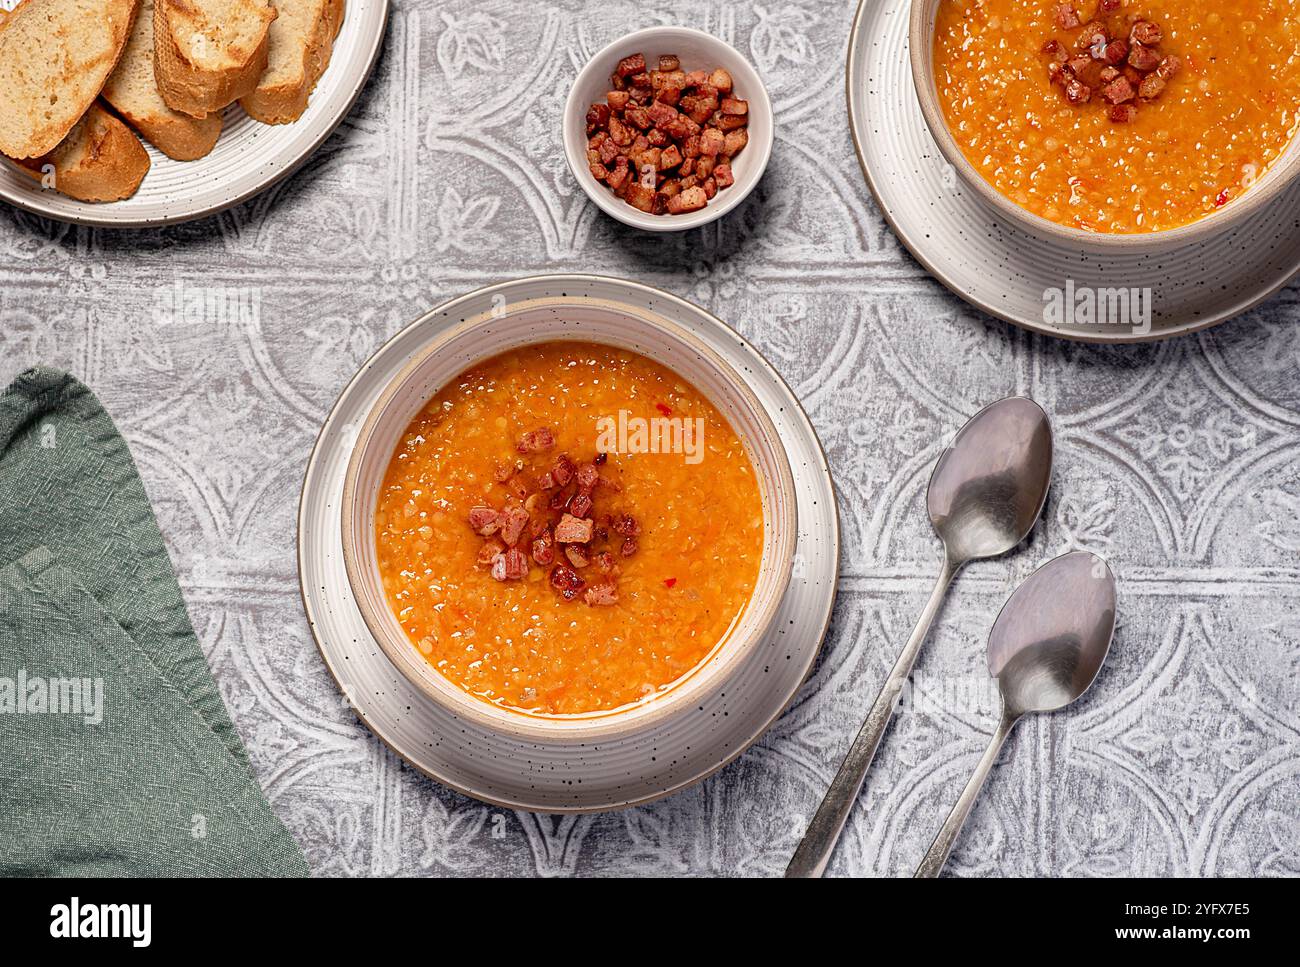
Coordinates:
<point>1044,111</point>
<point>545,549</point>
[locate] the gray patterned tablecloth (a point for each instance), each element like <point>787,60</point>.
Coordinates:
<point>1178,462</point>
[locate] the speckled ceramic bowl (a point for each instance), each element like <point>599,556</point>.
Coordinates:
<point>509,326</point>
<point>1262,194</point>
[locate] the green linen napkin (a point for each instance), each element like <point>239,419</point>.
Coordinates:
<point>117,756</point>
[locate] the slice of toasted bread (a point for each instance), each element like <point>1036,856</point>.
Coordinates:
<point>209,53</point>
<point>302,39</point>
<point>133,93</point>
<point>99,160</point>
<point>55,56</point>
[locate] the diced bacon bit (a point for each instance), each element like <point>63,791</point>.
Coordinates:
<point>1123,113</point>
<point>1077,92</point>
<point>1067,18</point>
<point>1115,52</point>
<point>560,499</point>
<point>601,594</point>
<point>588,476</point>
<point>1151,86</point>
<point>669,582</point>
<point>1146,33</point>
<point>630,547</point>
<point>1052,47</point>
<point>489,551</point>
<point>1169,67</point>
<point>516,564</point>
<point>651,171</point>
<point>580,505</point>
<point>535,441</point>
<point>514,520</point>
<point>544,550</point>
<point>484,520</point>
<point>605,563</point>
<point>577,555</point>
<point>565,580</point>
<point>711,142</point>
<point>510,565</point>
<point>1092,35</point>
<point>597,117</point>
<point>1143,58</point>
<point>573,530</point>
<point>722,174</point>
<point>630,66</point>
<point>1110,6</point>
<point>1118,91</point>
<point>735,142</point>
<point>690,200</point>
<point>626,525</point>
<point>599,459</point>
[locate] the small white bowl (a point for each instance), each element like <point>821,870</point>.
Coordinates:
<point>698,51</point>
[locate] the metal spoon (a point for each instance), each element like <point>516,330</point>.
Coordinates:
<point>985,495</point>
<point>1045,649</point>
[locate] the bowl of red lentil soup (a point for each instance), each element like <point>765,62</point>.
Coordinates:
<point>668,129</point>
<point>1116,125</point>
<point>568,518</point>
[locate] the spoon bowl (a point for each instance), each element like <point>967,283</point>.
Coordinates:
<point>1051,638</point>
<point>988,488</point>
<point>1046,648</point>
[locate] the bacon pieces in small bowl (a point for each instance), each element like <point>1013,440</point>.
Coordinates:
<point>664,138</point>
<point>1113,59</point>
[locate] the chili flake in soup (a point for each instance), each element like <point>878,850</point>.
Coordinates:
<point>568,528</point>
<point>1119,116</point>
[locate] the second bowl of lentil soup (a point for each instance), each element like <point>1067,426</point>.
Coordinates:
<point>568,518</point>
<point>1116,125</point>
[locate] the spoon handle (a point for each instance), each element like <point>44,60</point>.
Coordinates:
<point>948,833</point>
<point>823,832</point>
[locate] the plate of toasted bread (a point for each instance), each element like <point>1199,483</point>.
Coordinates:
<point>150,112</point>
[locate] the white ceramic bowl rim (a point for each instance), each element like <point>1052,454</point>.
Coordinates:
<point>653,41</point>
<point>921,44</point>
<point>711,674</point>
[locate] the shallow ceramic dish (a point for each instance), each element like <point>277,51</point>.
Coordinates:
<point>1264,193</point>
<point>545,320</point>
<point>698,51</point>
<point>546,775</point>
<point>1003,269</point>
<point>249,156</point>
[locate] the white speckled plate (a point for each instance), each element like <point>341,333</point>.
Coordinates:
<point>248,158</point>
<point>532,775</point>
<point>1004,271</point>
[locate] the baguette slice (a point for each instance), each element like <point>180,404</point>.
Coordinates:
<point>133,92</point>
<point>302,40</point>
<point>99,160</point>
<point>55,56</point>
<point>209,53</point>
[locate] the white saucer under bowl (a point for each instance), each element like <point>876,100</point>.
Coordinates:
<point>534,774</point>
<point>1029,281</point>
